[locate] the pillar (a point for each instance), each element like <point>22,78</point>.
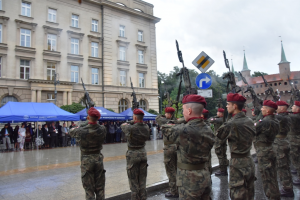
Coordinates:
<point>39,96</point>
<point>69,98</point>
<point>33,95</point>
<point>65,98</point>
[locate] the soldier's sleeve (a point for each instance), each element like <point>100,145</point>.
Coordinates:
<point>172,131</point>
<point>224,131</point>
<point>180,121</point>
<point>126,128</point>
<point>161,120</point>
<point>212,120</point>
<point>75,132</point>
<point>84,124</point>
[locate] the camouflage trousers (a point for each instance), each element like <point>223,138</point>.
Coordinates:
<point>295,152</point>
<point>282,151</point>
<point>93,176</point>
<point>194,184</point>
<point>267,167</point>
<point>170,160</point>
<point>242,177</point>
<point>220,150</point>
<point>137,173</point>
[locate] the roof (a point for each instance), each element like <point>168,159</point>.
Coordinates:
<point>245,65</point>
<point>269,78</point>
<point>129,113</point>
<point>105,114</point>
<point>283,58</point>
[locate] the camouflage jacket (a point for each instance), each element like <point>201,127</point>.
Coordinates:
<point>137,134</point>
<point>266,129</point>
<point>194,139</point>
<point>163,120</point>
<point>217,122</point>
<point>285,123</point>
<point>91,136</point>
<point>295,128</point>
<point>239,130</point>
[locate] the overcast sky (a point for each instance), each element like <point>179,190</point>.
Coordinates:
<point>231,25</point>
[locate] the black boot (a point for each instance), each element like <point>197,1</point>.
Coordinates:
<point>169,195</point>
<point>221,173</point>
<point>296,182</point>
<point>287,193</point>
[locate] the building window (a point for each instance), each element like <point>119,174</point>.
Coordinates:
<point>275,84</point>
<point>7,99</point>
<point>0,65</point>
<point>279,83</point>
<point>143,105</point>
<point>24,69</point>
<point>50,71</point>
<point>1,33</point>
<point>296,82</point>
<point>122,78</point>
<point>141,80</point>
<point>74,73</point>
<point>52,15</point>
<point>122,31</point>
<point>140,36</point>
<point>95,25</point>
<point>141,56</point>
<point>26,9</point>
<point>51,42</point>
<point>95,76</point>
<point>74,46</point>
<point>25,37</point>
<point>123,105</point>
<point>285,83</point>
<point>75,21</point>
<point>50,96</point>
<point>94,49</point>
<point>122,52</point>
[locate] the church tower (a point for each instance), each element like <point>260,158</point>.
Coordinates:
<point>246,71</point>
<point>284,66</point>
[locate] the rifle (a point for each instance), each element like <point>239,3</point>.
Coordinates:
<point>231,78</point>
<point>256,101</point>
<point>86,99</point>
<point>295,94</point>
<point>167,95</point>
<point>135,104</point>
<point>270,91</point>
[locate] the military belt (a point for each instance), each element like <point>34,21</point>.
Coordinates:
<point>263,144</point>
<point>240,155</point>
<point>90,153</point>
<point>190,166</point>
<point>135,148</point>
<point>280,136</point>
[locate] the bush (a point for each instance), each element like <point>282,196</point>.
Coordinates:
<point>110,109</point>
<point>74,108</point>
<point>152,112</point>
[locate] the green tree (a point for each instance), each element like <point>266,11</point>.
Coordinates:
<point>257,74</point>
<point>153,112</point>
<point>73,108</point>
<point>110,109</point>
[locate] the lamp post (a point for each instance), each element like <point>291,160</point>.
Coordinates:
<point>56,82</point>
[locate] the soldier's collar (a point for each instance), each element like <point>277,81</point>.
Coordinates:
<point>269,115</point>
<point>140,121</point>
<point>93,123</point>
<point>296,112</point>
<point>194,118</point>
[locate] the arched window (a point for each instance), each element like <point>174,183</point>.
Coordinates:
<point>139,10</point>
<point>143,105</point>
<point>7,99</point>
<point>121,4</point>
<point>123,105</point>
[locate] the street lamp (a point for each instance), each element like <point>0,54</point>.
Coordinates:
<point>56,82</point>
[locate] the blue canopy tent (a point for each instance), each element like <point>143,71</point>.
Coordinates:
<point>128,114</point>
<point>34,112</point>
<point>105,115</point>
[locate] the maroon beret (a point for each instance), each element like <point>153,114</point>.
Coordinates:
<point>169,110</point>
<point>205,111</point>
<point>221,110</point>
<point>297,103</point>
<point>244,110</point>
<point>235,98</point>
<point>271,104</point>
<point>138,112</point>
<point>282,103</point>
<point>193,98</point>
<point>93,112</point>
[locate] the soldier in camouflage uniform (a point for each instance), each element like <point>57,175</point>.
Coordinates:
<point>92,136</point>
<point>239,130</point>
<point>294,139</point>
<point>281,149</point>
<point>137,133</point>
<point>253,115</point>
<point>204,115</point>
<point>170,154</point>
<point>220,148</point>
<point>195,140</point>
<point>266,130</point>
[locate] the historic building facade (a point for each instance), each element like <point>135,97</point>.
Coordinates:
<point>279,82</point>
<point>103,42</point>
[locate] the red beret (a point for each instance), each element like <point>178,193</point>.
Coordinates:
<point>93,112</point>
<point>252,109</point>
<point>297,103</point>
<point>205,111</point>
<point>169,110</point>
<point>282,103</point>
<point>221,110</point>
<point>235,98</point>
<point>244,110</point>
<point>193,98</point>
<point>271,104</point>
<point>138,112</point>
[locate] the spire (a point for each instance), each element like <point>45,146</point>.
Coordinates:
<point>283,58</point>
<point>245,66</point>
<point>232,68</point>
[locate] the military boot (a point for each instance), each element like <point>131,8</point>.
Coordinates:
<point>169,195</point>
<point>297,181</point>
<point>286,193</point>
<point>221,173</point>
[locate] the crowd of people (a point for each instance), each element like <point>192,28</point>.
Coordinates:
<point>53,134</point>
